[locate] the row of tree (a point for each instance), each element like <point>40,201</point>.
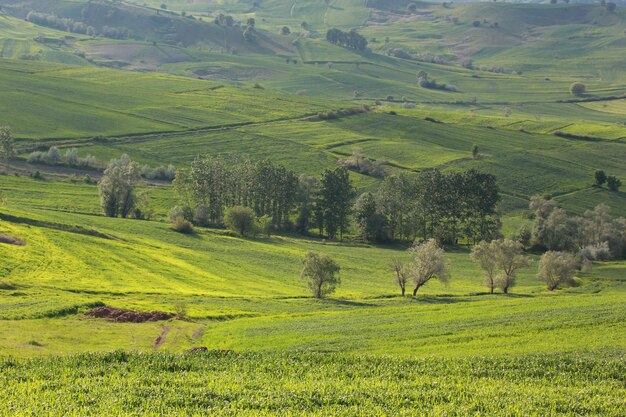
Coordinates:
<point>351,39</point>
<point>499,259</point>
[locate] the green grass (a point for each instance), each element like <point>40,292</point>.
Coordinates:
<point>304,384</point>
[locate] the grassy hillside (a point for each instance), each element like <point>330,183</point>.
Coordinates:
<point>177,85</point>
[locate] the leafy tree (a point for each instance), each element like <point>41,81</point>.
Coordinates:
<point>475,151</point>
<point>523,235</point>
<point>600,178</point>
<point>370,223</point>
<point>484,255</point>
<point>577,89</point>
<point>240,219</point>
<point>509,258</point>
<point>251,22</point>
<point>117,187</point>
<point>401,275</point>
<point>613,183</point>
<point>285,30</point>
<point>320,273</point>
<point>7,147</point>
<point>427,262</point>
<point>611,7</point>
<point>557,268</point>
<point>335,202</point>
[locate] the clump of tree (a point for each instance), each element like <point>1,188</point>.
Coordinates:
<point>213,184</point>
<point>557,269</point>
<point>577,89</point>
<point>360,163</point>
<point>500,260</point>
<point>117,187</point>
<point>54,156</point>
<point>555,230</point>
<point>425,82</point>
<point>224,20</point>
<point>320,273</point>
<point>7,146</point>
<point>166,173</point>
<point>351,39</point>
<point>446,207</point>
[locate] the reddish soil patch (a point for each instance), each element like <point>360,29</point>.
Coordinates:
<point>11,240</point>
<point>128,316</point>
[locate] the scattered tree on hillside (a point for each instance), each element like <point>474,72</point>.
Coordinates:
<point>320,273</point>
<point>508,258</point>
<point>240,219</point>
<point>557,268</point>
<point>475,152</point>
<point>7,146</point>
<point>285,30</point>
<point>577,89</point>
<point>251,22</point>
<point>484,255</point>
<point>600,178</point>
<point>611,7</point>
<point>117,187</point>
<point>401,275</point>
<point>427,262</point>
<point>613,183</point>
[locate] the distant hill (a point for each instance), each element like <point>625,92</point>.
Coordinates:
<point>119,20</point>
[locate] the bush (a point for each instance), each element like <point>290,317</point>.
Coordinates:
<point>577,89</point>
<point>181,225</point>
<point>240,219</point>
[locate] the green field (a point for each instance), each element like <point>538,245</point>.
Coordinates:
<point>179,86</point>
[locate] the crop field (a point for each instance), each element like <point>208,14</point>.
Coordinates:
<point>127,317</point>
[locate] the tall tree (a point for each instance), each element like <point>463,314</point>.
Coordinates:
<point>117,187</point>
<point>369,222</point>
<point>336,195</point>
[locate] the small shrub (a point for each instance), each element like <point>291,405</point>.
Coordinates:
<point>181,225</point>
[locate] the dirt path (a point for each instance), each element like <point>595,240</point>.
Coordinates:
<point>161,338</point>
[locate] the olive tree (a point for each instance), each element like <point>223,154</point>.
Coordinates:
<point>401,275</point>
<point>508,258</point>
<point>557,268</point>
<point>483,254</point>
<point>427,262</point>
<point>320,273</point>
<point>117,187</point>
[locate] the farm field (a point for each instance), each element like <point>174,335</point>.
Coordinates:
<point>153,315</point>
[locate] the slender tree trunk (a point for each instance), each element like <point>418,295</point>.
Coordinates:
<point>403,291</point>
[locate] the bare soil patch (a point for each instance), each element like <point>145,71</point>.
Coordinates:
<point>128,316</point>
<point>11,240</point>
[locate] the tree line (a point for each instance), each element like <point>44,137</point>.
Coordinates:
<point>430,204</point>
